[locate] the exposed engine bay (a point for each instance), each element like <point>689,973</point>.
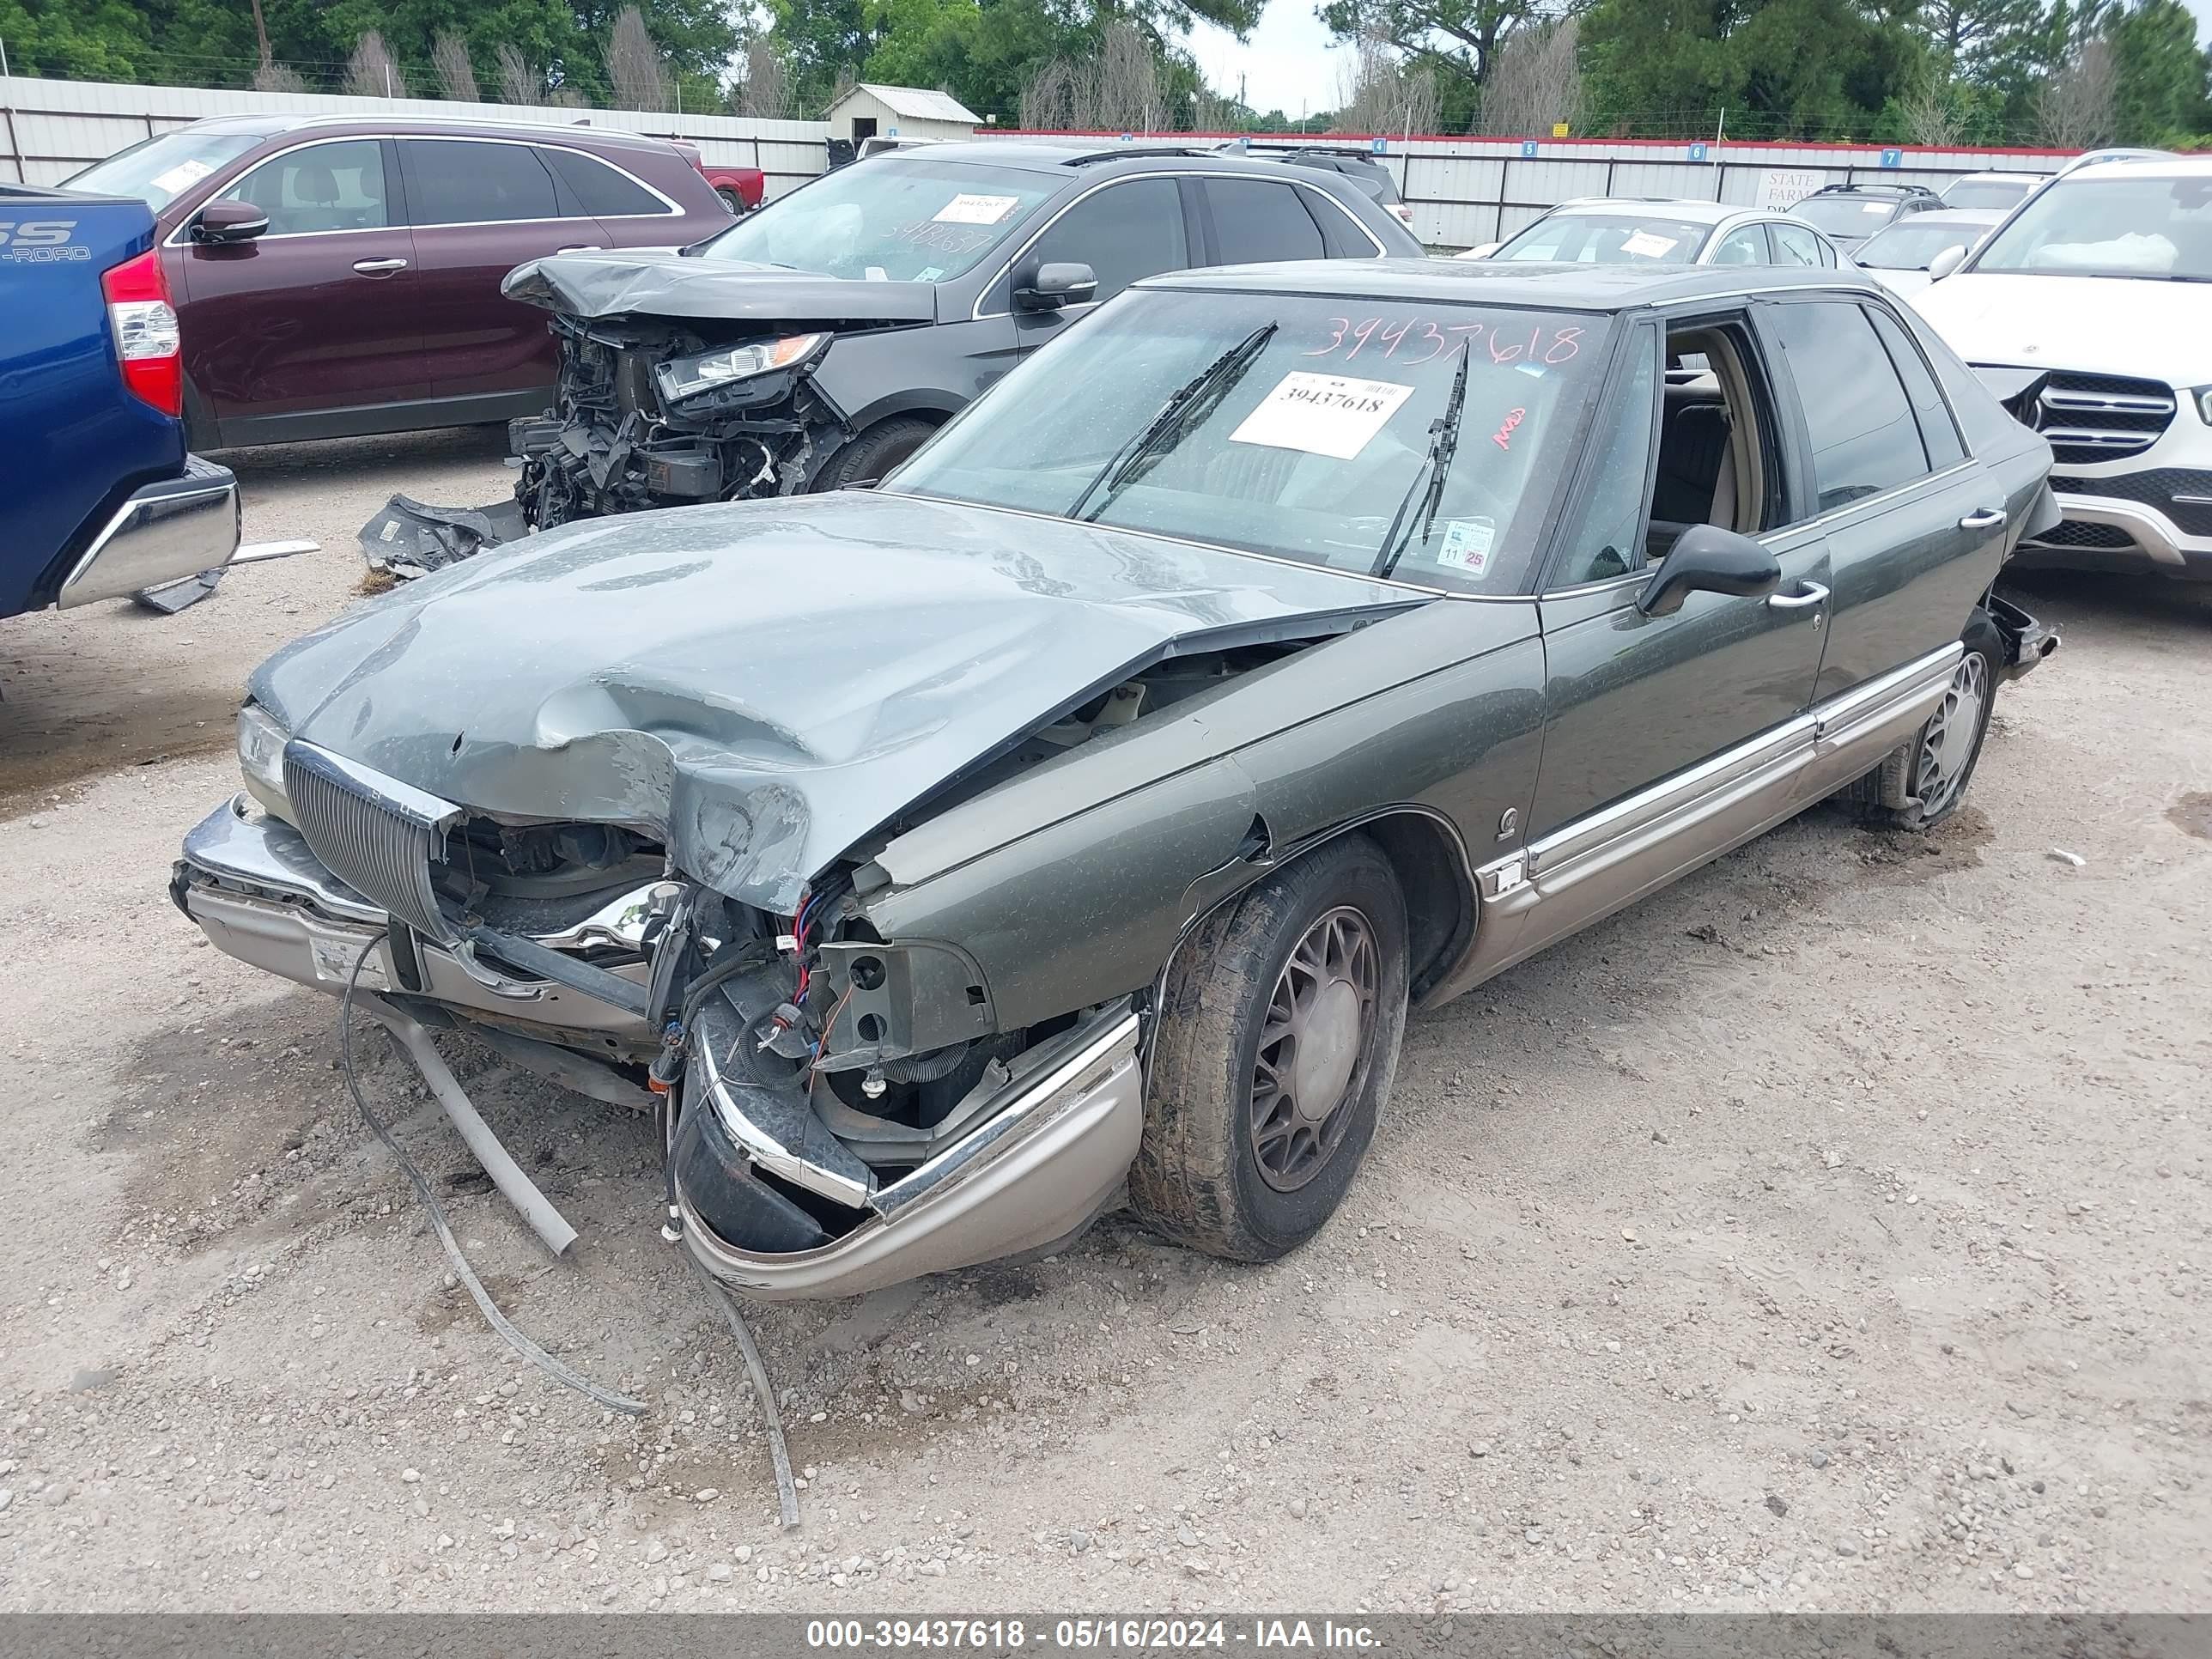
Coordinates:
<point>651,413</point>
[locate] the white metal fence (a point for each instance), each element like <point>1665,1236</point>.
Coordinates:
<point>1463,191</point>
<point>50,129</point>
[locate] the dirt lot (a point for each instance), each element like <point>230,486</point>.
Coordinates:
<point>1829,1232</point>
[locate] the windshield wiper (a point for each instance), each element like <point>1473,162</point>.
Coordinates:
<point>1158,437</point>
<point>1443,442</point>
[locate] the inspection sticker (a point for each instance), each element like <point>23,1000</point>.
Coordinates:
<point>1649,247</point>
<point>181,177</point>
<point>1322,414</point>
<point>1466,545</point>
<point>966,209</point>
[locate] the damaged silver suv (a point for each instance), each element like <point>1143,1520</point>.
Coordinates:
<point>1082,809</point>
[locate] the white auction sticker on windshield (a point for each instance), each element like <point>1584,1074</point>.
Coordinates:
<point>1328,415</point>
<point>1875,207</point>
<point>1649,247</point>
<point>966,209</point>
<point>181,177</point>
<point>1466,545</point>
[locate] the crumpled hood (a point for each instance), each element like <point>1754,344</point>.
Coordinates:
<point>764,683</point>
<point>648,282</point>
<point>2149,330</point>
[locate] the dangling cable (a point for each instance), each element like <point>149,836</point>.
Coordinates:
<point>498,1320</point>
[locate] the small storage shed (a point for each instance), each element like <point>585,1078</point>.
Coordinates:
<point>867,110</point>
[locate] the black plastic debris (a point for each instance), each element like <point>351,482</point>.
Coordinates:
<point>412,538</point>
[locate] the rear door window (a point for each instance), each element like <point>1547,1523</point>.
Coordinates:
<point>1795,245</point>
<point>1123,231</point>
<point>1938,429</point>
<point>1257,221</point>
<point>455,181</point>
<point>324,187</point>
<point>600,190</point>
<point>1864,438</point>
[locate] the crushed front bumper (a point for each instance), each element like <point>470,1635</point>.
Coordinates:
<point>1048,1150</point>
<point>259,893</point>
<point>1049,1154</point>
<point>164,533</point>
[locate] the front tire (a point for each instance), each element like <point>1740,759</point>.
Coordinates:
<point>875,451</point>
<point>1279,1029</point>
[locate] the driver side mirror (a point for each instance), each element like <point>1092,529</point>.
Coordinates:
<point>1062,282</point>
<point>222,222</point>
<point>1707,559</point>
<point>1945,262</point>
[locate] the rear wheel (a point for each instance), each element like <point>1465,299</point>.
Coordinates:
<point>732,200</point>
<point>1930,772</point>
<point>875,451</point>
<point>1279,1029</point>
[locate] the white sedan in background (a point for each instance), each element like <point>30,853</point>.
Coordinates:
<point>1899,258</point>
<point>1651,230</point>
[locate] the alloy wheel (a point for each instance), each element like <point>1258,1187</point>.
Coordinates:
<point>1947,742</point>
<point>1315,1044</point>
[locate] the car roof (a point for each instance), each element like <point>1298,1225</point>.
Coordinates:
<point>2147,167</point>
<point>1998,178</point>
<point>273,126</point>
<point>1688,210</point>
<point>1565,287</point>
<point>1942,216</point>
<point>1074,159</point>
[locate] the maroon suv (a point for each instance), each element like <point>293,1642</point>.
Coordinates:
<point>338,276</point>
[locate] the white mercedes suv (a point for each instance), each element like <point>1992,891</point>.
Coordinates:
<point>2089,312</point>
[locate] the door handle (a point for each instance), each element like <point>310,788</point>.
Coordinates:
<point>378,267</point>
<point>581,247</point>
<point>1988,519</point>
<point>1813,594</point>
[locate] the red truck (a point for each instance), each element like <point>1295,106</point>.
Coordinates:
<point>338,276</point>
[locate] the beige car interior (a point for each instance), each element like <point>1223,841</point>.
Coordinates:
<point>1710,470</point>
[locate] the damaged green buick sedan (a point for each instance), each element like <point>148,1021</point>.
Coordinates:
<point>1076,815</point>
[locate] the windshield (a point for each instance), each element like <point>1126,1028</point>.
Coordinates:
<point>1609,238</point>
<point>1309,437</point>
<point>2156,228</point>
<point>1986,192</point>
<point>1846,215</point>
<point>894,218</point>
<point>160,169</point>
<point>1913,244</point>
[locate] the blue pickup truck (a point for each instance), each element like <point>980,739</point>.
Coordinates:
<point>98,496</point>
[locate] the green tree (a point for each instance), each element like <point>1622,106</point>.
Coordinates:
<point>2162,73</point>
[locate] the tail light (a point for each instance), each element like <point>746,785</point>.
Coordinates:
<point>144,324</point>
<point>1405,213</point>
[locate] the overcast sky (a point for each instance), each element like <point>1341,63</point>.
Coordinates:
<point>1291,64</point>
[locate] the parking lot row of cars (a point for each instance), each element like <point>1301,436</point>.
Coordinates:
<point>1141,628</point>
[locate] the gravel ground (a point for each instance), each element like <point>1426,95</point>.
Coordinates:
<point>1829,1232</point>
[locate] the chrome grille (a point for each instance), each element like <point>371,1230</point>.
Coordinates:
<point>2095,417</point>
<point>373,833</point>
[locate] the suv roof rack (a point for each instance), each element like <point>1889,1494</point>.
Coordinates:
<point>1862,186</point>
<point>1115,151</point>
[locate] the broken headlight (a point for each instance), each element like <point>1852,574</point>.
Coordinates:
<point>261,742</point>
<point>687,376</point>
